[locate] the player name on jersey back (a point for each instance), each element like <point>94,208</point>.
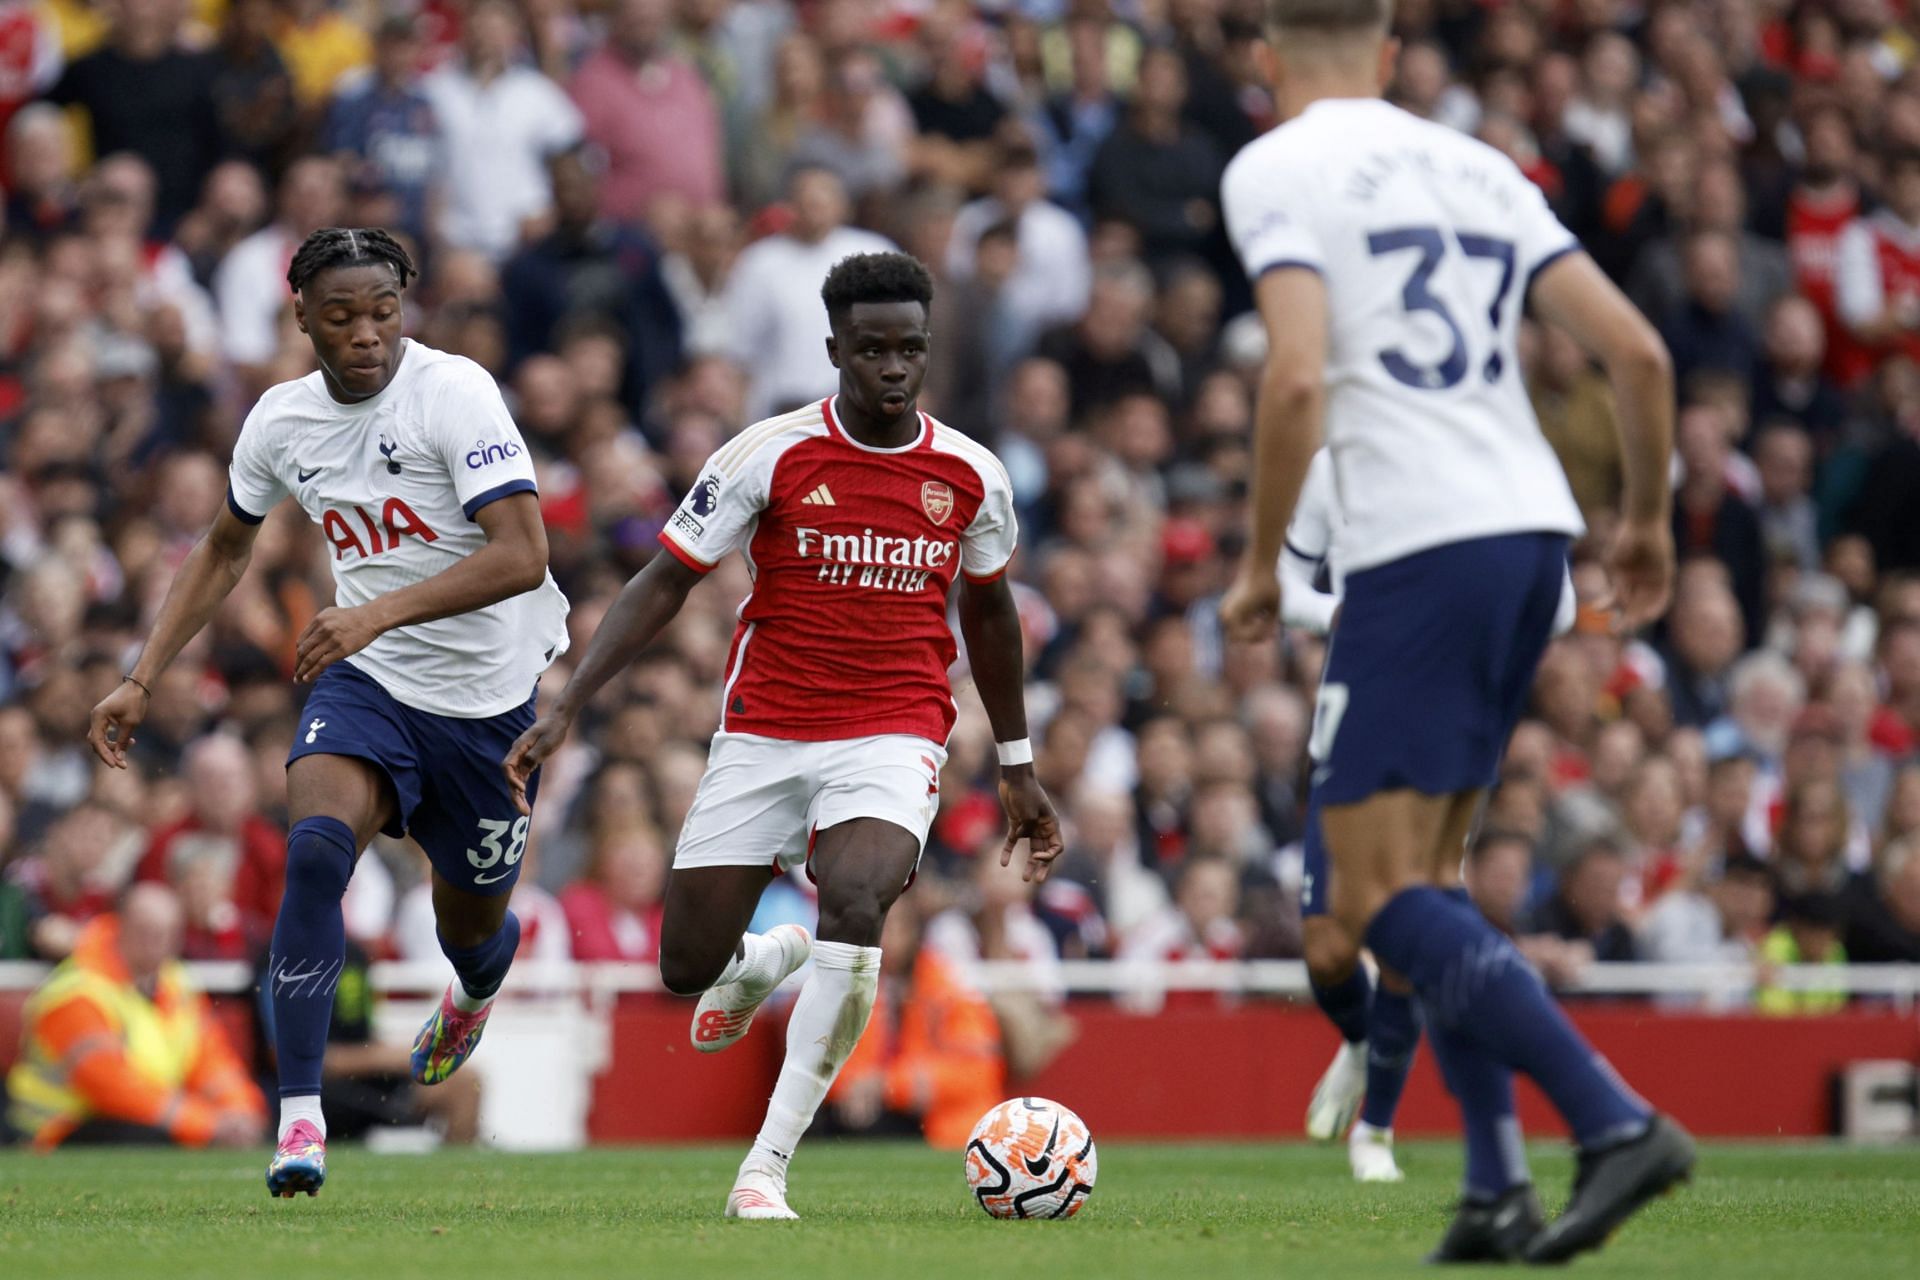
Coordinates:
<point>1427,241</point>
<point>395,483</point>
<point>853,551</point>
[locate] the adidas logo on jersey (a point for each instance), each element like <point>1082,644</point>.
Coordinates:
<point>820,497</point>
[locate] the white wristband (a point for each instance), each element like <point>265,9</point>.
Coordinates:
<point>1017,752</point>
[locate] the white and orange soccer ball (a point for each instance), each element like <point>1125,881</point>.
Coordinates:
<point>1031,1158</point>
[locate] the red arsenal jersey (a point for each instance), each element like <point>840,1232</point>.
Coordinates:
<point>1814,224</point>
<point>853,552</point>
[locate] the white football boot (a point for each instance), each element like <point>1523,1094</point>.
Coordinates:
<point>760,1189</point>
<point>1370,1152</point>
<point>726,1012</point>
<point>1336,1099</point>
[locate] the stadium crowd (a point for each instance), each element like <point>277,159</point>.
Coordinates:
<point>624,209</point>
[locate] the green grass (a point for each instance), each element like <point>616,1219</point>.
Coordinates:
<point>1808,1212</point>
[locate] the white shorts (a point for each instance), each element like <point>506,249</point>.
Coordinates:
<point>762,799</point>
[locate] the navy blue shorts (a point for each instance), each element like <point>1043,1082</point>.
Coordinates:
<point>452,797</point>
<point>1431,666</point>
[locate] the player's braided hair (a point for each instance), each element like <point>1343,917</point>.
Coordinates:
<point>348,247</point>
<point>875,277</point>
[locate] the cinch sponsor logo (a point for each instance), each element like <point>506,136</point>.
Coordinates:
<point>485,455</point>
<point>875,560</point>
<point>396,519</point>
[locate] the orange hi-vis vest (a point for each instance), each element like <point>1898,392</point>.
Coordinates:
<point>95,1045</point>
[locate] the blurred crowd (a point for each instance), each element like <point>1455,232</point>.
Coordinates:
<point>624,208</point>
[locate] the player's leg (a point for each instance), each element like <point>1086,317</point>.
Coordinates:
<point>1340,987</point>
<point>703,927</point>
<point>1344,993</point>
<point>475,839</point>
<point>479,937</point>
<point>1393,1034</point>
<point>1456,631</point>
<point>1375,1020</point>
<point>748,820</point>
<point>861,865</point>
<point>1485,1005</point>
<point>337,804</point>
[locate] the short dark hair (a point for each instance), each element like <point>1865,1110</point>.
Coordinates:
<point>331,247</point>
<point>875,277</point>
<point>1328,17</point>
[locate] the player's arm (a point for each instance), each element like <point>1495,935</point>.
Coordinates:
<point>990,624</point>
<point>1573,293</point>
<point>1286,427</point>
<point>206,577</point>
<point>513,561</point>
<point>644,607</point>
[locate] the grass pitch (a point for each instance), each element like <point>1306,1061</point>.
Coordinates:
<point>1808,1212</point>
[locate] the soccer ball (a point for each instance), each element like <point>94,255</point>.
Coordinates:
<point>1031,1158</point>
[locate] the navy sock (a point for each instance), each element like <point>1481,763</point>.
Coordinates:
<point>309,949</point>
<point>483,968</point>
<point>1471,980</point>
<point>1496,1149</point>
<point>1345,1004</point>
<point>1496,1156</point>
<point>1393,1033</point>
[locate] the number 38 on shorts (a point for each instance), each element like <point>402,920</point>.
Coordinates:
<point>491,853</point>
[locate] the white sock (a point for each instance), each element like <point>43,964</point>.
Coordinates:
<point>467,1003</point>
<point>305,1106</point>
<point>1363,1132</point>
<point>755,961</point>
<point>828,1018</point>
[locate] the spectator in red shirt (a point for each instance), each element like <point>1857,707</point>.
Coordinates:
<point>235,897</point>
<point>1877,265</point>
<point>651,112</point>
<point>74,877</point>
<point>614,913</point>
<point>1653,811</point>
<point>1821,205</point>
<point>1900,664</point>
<point>1200,924</point>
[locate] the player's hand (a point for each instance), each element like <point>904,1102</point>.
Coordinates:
<point>110,730</point>
<point>529,751</point>
<point>1030,817</point>
<point>1640,572</point>
<point>1250,610</point>
<point>331,636</point>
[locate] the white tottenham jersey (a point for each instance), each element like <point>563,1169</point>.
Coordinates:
<point>1316,540</point>
<point>394,483</point>
<point>1427,241</point>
